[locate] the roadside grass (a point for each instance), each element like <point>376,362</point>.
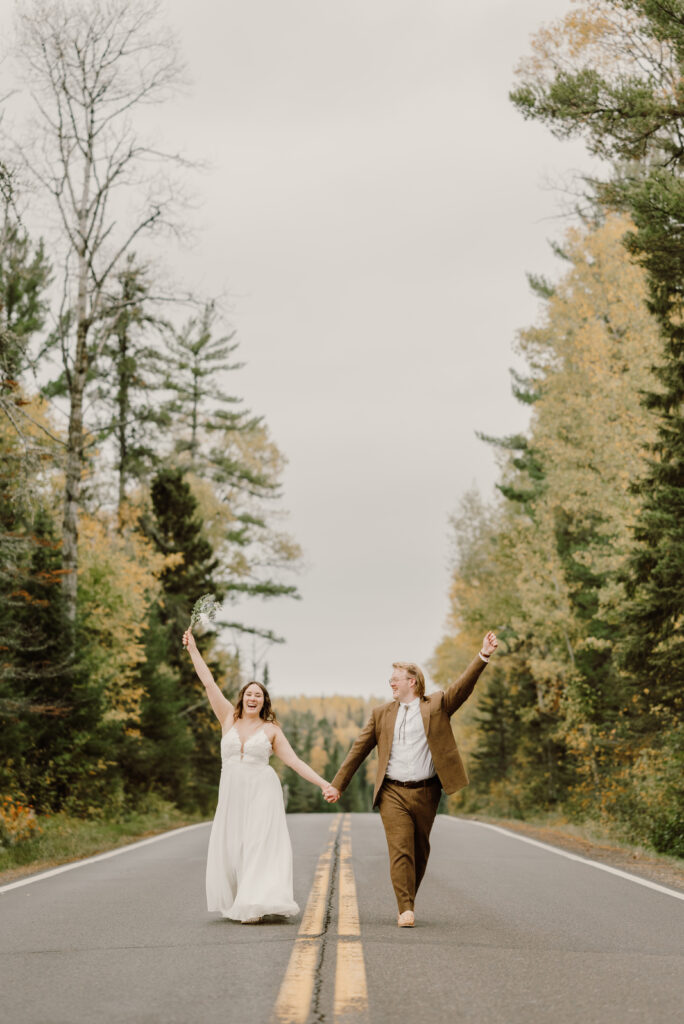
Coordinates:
<point>589,831</point>
<point>63,838</point>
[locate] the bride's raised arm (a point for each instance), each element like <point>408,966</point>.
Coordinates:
<point>221,705</point>
<point>282,748</point>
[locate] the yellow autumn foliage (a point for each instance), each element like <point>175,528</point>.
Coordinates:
<point>118,581</point>
<point>598,35</point>
<point>30,443</point>
<point>590,356</point>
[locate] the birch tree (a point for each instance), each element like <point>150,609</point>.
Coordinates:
<point>90,67</point>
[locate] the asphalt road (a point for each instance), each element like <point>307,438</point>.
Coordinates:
<point>506,932</point>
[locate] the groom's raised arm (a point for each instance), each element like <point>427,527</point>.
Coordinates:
<point>459,691</point>
<point>359,751</point>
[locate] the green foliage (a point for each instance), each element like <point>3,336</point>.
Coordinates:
<point>177,532</point>
<point>41,686</point>
<point>24,277</point>
<point>160,759</point>
<point>197,360</point>
<point>38,681</point>
<point>130,366</point>
<point>655,571</point>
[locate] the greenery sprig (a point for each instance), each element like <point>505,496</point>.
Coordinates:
<point>205,606</point>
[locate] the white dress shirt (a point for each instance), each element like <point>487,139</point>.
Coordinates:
<point>410,758</point>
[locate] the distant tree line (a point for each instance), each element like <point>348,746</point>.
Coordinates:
<point>580,563</point>
<point>322,729</point>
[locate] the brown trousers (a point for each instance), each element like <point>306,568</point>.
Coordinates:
<point>407,815</point>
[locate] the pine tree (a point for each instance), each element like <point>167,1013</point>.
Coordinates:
<point>175,529</point>
<point>229,456</point>
<point>24,278</point>
<point>199,363</point>
<point>654,646</point>
<point>175,716</point>
<point>37,675</point>
<point>161,761</point>
<point>132,368</point>
<point>25,275</point>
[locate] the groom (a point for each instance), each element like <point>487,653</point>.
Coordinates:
<point>417,756</point>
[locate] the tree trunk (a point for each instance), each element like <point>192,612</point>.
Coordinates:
<point>75,440</point>
<point>74,469</point>
<point>123,410</point>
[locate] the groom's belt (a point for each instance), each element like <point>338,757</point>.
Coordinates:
<point>413,783</point>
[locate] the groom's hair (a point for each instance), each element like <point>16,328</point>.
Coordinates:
<point>413,671</point>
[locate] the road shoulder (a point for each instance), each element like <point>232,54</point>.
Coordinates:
<point>668,871</point>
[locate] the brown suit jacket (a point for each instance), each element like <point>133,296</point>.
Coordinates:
<point>436,710</point>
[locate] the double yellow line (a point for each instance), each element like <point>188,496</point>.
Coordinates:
<point>351,993</point>
<point>294,1002</point>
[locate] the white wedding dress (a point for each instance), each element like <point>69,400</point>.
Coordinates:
<point>249,862</point>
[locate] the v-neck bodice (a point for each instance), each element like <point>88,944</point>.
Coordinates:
<point>256,748</point>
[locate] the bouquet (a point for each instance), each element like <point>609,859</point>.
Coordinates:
<point>204,609</point>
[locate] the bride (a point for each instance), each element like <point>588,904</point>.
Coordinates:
<point>249,862</point>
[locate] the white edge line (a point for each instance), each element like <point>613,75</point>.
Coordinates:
<point>573,856</point>
<point>99,856</point>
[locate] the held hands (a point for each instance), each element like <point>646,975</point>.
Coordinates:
<point>489,644</point>
<point>331,794</point>
<point>189,641</point>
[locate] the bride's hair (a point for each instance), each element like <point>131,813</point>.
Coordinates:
<point>266,712</point>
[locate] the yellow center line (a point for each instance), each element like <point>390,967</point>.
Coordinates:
<point>293,1005</point>
<point>296,991</point>
<point>348,910</point>
<point>351,994</point>
<point>351,991</point>
<point>314,916</point>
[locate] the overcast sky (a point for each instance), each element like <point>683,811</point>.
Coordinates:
<point>371,205</point>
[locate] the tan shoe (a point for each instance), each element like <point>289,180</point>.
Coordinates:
<point>406,919</point>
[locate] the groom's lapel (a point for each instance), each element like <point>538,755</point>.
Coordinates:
<point>425,712</point>
<point>390,719</point>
